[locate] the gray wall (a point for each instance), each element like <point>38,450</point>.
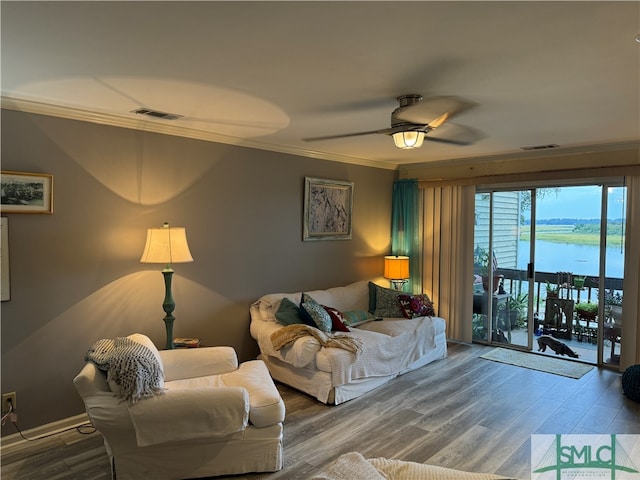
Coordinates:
<point>76,275</point>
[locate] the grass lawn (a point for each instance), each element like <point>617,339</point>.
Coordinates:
<point>565,234</point>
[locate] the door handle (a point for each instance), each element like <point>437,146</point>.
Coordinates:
<point>530,271</point>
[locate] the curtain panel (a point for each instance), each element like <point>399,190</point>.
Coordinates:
<point>447,254</point>
<point>405,229</point>
<point>630,346</point>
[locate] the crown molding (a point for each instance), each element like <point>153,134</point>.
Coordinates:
<point>532,155</point>
<point>71,113</point>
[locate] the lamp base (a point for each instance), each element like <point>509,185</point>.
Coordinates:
<point>168,306</point>
<point>398,284</point>
<point>168,323</point>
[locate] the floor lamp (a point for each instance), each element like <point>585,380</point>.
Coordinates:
<point>167,245</point>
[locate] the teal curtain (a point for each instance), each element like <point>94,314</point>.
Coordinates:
<point>405,229</point>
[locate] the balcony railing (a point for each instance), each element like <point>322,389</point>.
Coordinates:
<point>565,323</point>
<point>515,279</point>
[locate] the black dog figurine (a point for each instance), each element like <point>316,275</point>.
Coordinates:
<point>556,345</point>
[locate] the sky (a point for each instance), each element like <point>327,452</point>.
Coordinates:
<point>578,202</point>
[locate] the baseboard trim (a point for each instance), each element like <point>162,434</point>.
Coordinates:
<point>36,433</point>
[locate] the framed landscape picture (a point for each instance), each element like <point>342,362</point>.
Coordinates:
<point>26,192</point>
<point>327,209</point>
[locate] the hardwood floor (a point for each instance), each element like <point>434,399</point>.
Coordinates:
<point>462,412</point>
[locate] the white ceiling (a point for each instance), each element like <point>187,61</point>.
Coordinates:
<point>268,74</point>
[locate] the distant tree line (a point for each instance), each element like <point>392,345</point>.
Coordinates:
<point>574,221</point>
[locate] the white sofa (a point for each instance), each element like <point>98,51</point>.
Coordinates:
<point>391,346</point>
<point>215,417</point>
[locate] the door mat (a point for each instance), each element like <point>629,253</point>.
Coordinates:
<point>566,368</point>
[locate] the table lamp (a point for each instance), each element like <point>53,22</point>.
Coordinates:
<point>167,245</point>
<point>396,269</point>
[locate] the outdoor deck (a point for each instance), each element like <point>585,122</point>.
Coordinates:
<point>578,332</point>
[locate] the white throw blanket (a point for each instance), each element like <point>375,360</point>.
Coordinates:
<point>350,466</point>
<point>353,466</point>
<point>130,365</point>
<point>390,347</point>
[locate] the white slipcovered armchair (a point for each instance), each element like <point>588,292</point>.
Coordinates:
<point>215,417</point>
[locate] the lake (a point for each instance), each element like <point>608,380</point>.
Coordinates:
<point>569,257</point>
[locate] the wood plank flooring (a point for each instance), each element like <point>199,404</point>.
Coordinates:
<point>462,412</point>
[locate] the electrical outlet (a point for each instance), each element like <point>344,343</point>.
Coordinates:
<point>6,406</point>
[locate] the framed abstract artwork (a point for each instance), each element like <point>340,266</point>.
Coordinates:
<point>327,209</point>
<point>26,192</point>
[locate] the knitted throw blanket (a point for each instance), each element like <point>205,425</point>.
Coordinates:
<point>130,365</point>
<point>290,333</point>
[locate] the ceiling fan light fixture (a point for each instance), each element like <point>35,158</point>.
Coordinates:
<point>409,139</point>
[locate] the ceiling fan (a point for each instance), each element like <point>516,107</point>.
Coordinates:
<point>415,118</point>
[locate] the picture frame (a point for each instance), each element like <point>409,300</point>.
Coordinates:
<point>328,206</point>
<point>26,192</point>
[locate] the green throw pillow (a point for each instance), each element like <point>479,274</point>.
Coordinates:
<point>288,313</point>
<point>387,302</point>
<point>372,297</point>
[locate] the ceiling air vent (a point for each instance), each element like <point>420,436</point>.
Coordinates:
<point>156,113</point>
<point>541,147</point>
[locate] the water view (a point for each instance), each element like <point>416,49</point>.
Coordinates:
<point>570,257</point>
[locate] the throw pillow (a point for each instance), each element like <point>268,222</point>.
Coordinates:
<point>307,319</point>
<point>321,318</point>
<point>353,318</point>
<point>387,304</point>
<point>337,319</point>
<point>416,306</point>
<point>372,297</point>
<point>288,313</point>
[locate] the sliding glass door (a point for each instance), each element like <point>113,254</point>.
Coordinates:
<point>502,257</point>
<point>548,263</point>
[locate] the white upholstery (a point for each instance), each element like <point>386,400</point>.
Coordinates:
<point>353,466</point>
<point>391,346</point>
<point>215,418</point>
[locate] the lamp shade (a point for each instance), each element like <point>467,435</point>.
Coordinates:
<point>408,139</point>
<point>396,267</point>
<point>166,245</point>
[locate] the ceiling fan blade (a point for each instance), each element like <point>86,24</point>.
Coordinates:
<point>431,110</point>
<point>450,141</point>
<point>454,134</point>
<point>345,135</point>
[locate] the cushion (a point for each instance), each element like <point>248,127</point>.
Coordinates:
<point>267,407</point>
<point>310,309</point>
<point>320,316</point>
<point>350,297</point>
<point>288,313</point>
<point>416,306</point>
<point>387,303</point>
<point>337,319</point>
<point>306,316</point>
<point>372,297</point>
<point>353,318</point>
